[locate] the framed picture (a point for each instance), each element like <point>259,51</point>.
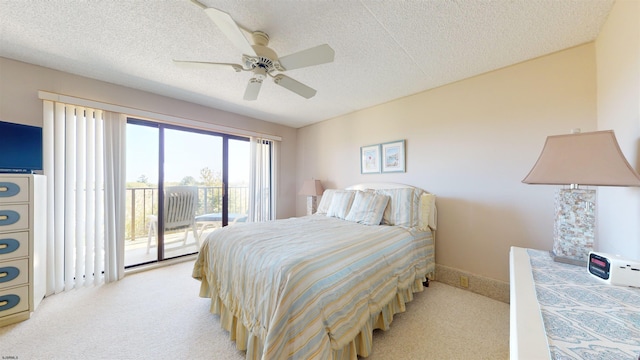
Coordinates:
<point>393,156</point>
<point>370,159</point>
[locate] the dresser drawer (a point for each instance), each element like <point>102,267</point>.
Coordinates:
<point>14,301</point>
<point>14,189</point>
<point>14,273</point>
<point>14,217</point>
<point>14,245</point>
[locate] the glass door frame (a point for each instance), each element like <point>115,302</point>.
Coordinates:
<point>161,172</point>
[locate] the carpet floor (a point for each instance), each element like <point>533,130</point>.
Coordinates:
<point>157,314</point>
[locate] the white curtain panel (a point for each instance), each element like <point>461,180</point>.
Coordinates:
<point>115,194</point>
<point>85,167</point>
<point>262,192</point>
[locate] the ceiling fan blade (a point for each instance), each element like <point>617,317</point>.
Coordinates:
<point>295,86</point>
<point>199,4</point>
<point>230,29</point>
<point>253,88</point>
<point>314,56</point>
<point>206,64</point>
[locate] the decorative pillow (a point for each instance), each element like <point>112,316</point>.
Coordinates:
<point>325,201</point>
<point>340,203</point>
<point>403,208</point>
<point>428,215</point>
<point>368,208</point>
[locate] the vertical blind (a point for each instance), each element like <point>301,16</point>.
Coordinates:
<point>84,164</point>
<point>261,188</point>
<point>84,161</point>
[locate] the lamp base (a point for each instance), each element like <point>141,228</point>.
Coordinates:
<point>567,260</point>
<point>574,226</point>
<point>312,205</point>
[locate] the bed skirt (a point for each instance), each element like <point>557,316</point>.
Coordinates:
<point>360,346</point>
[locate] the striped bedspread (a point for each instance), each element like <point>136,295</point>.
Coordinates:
<point>306,286</point>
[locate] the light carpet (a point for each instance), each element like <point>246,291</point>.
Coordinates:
<point>157,314</point>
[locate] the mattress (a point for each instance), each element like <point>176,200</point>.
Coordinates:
<point>312,287</point>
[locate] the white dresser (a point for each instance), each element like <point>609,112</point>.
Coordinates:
<point>528,338</point>
<point>560,311</point>
<point>22,245</point>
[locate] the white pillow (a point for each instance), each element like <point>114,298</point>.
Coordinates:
<point>340,203</point>
<point>325,201</point>
<point>367,208</point>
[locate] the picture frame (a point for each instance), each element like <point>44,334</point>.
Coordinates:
<point>393,156</point>
<point>370,159</point>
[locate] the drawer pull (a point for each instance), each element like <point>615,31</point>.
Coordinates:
<point>8,246</point>
<point>8,217</point>
<point>8,273</point>
<point>9,189</point>
<point>8,301</point>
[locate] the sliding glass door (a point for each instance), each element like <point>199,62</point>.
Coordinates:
<point>182,184</point>
<point>193,187</point>
<point>142,158</point>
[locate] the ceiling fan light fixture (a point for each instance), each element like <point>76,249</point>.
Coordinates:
<point>257,62</point>
<point>262,60</point>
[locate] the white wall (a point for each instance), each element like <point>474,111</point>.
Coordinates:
<point>618,69</point>
<point>470,143</point>
<point>19,103</point>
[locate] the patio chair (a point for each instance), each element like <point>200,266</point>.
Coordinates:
<point>180,203</point>
<point>214,221</point>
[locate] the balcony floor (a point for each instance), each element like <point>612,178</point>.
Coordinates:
<point>135,251</point>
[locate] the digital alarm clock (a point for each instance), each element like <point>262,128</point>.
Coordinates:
<point>613,269</point>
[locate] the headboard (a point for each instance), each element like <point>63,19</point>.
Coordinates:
<point>420,204</point>
<point>379,185</point>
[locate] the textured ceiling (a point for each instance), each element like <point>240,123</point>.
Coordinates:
<point>384,50</point>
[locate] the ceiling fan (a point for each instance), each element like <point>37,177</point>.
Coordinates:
<point>261,60</point>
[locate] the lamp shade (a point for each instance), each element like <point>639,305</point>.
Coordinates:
<point>311,188</point>
<point>591,158</point>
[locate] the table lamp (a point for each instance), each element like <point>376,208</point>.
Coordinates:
<point>590,158</point>
<point>311,188</point>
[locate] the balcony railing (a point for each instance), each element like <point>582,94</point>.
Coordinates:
<point>141,202</point>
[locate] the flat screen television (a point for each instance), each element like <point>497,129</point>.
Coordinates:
<point>20,148</point>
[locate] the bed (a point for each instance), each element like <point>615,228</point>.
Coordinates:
<point>315,287</point>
